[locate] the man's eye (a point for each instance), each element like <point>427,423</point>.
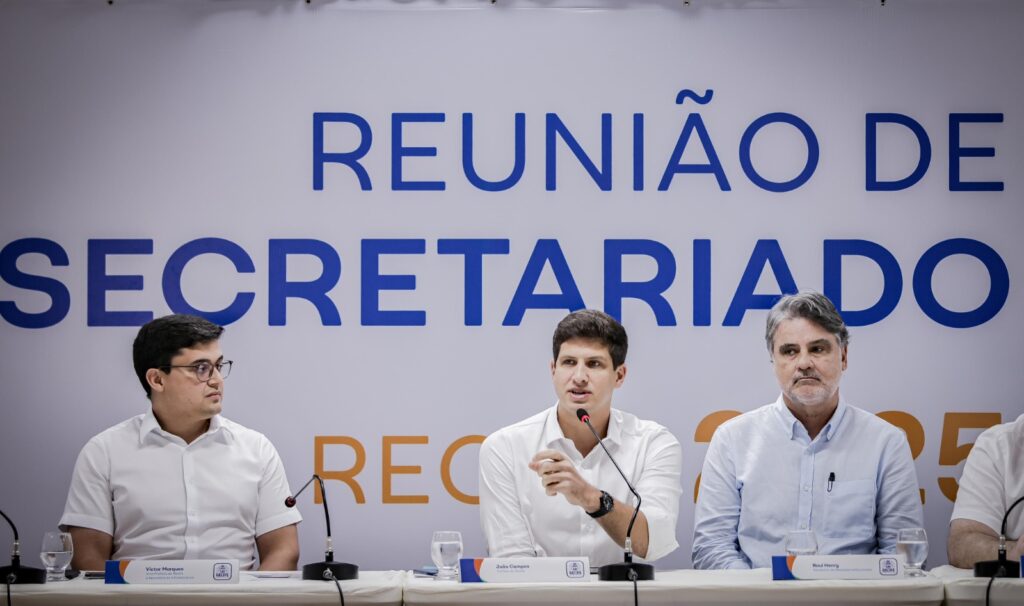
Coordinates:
<point>595,364</point>
<point>203,368</point>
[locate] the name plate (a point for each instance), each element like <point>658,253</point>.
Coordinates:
<point>846,567</point>
<point>525,570</point>
<point>171,572</point>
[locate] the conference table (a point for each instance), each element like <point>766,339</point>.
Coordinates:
<point>377,588</point>
<point>964,589</point>
<point>696,587</point>
<point>944,585</point>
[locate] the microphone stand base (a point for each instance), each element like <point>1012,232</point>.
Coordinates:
<point>23,575</point>
<point>997,568</point>
<point>621,572</point>
<point>325,571</point>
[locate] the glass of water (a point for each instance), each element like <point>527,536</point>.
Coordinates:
<point>56,552</point>
<point>801,542</point>
<point>445,550</point>
<point>913,543</point>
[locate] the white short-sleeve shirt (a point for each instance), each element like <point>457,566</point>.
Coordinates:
<point>160,498</point>
<point>520,519</point>
<point>993,479</point>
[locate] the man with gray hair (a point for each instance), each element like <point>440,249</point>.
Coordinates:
<point>808,461</point>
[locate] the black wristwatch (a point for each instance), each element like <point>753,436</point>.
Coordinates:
<point>607,503</point>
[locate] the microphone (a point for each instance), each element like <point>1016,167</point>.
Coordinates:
<point>328,570</point>
<point>16,574</point>
<point>1002,567</point>
<point>628,570</point>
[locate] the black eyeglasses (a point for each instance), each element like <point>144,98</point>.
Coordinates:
<point>204,370</point>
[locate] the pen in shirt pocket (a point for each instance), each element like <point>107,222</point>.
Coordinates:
<point>831,481</point>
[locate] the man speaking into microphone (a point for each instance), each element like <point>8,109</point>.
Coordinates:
<point>547,489</point>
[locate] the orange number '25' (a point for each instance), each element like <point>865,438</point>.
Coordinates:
<point>952,453</point>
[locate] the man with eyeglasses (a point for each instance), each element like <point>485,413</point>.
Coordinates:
<point>180,481</point>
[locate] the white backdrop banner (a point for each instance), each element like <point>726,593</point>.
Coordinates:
<point>391,204</point>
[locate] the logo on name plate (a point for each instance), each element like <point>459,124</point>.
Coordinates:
<point>223,571</point>
<point>574,569</point>
<point>888,567</point>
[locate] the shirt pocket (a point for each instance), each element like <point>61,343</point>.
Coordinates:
<point>850,510</point>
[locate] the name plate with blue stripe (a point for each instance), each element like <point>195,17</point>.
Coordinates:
<point>525,570</point>
<point>845,567</point>
<point>171,572</point>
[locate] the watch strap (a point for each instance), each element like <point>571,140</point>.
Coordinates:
<point>607,503</point>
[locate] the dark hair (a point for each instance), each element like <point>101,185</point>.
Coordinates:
<point>160,340</point>
<point>809,305</point>
<point>596,325</point>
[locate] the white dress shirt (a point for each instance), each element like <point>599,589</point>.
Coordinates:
<point>993,479</point>
<point>160,498</point>
<point>520,519</point>
<point>763,476</point>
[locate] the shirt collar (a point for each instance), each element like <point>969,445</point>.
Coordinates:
<point>793,425</point>
<point>614,436</point>
<point>150,428</point>
<point>836,422</point>
<point>553,435</point>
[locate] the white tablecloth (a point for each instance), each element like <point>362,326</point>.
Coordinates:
<point>963,588</point>
<point>957,586</point>
<point>683,587</point>
<point>378,588</point>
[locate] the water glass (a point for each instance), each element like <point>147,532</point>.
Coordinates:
<point>913,543</point>
<point>445,551</point>
<point>56,552</point>
<point>801,542</point>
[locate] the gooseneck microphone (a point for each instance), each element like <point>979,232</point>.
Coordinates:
<point>1001,567</point>
<point>628,570</point>
<point>16,574</point>
<point>328,570</point>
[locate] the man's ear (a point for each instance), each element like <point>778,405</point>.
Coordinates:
<point>155,378</point>
<point>620,374</point>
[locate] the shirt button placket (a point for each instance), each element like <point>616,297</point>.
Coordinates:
<point>188,474</point>
<point>586,526</point>
<point>806,474</point>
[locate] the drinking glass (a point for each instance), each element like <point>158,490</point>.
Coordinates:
<point>801,542</point>
<point>56,552</point>
<point>913,543</point>
<point>445,550</point>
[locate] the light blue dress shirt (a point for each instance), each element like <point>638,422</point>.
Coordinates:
<point>763,476</point>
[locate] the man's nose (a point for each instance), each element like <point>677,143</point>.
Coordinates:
<point>804,360</point>
<point>579,374</point>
